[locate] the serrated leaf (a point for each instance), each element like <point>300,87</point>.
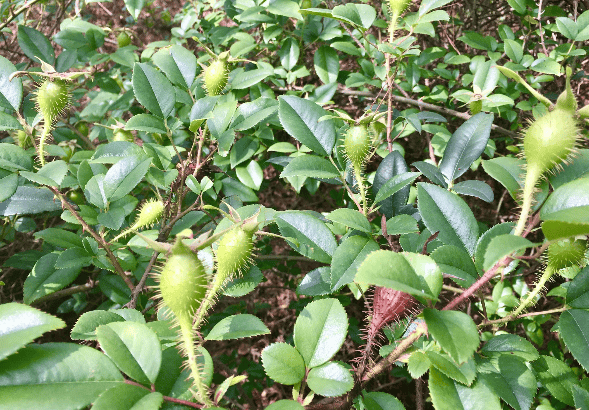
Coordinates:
<point>326,63</point>
<point>578,290</point>
<point>504,245</point>
<point>21,324</point>
<point>316,282</point>
<point>347,258</point>
<point>395,184</point>
<point>392,165</point>
<point>330,379</point>
<point>512,381</point>
<point>86,325</point>
<point>153,90</point>
<point>457,263</point>
<point>381,401</point>
<point>10,91</point>
<point>35,45</point>
<point>454,331</point>
<point>283,363</point>
<point>485,239</point>
<point>417,364</point>
<point>178,63</point>
<point>573,326</point>
<point>310,166</point>
<point>133,347</point>
<point>320,331</point>
<point>45,279</point>
<point>512,345</point>
<point>401,224</point>
<point>447,394</point>
<point>122,397</point>
<point>557,377</point>
<point>464,374</point>
<point>237,327</point>
<point>478,189</point>
<point>350,218</point>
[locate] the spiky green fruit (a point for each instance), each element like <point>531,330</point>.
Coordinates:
<point>357,144</point>
<point>52,99</point>
<point>398,6</point>
<point>150,213</point>
<point>215,77</point>
<point>566,253</point>
<point>123,39</point>
<point>183,282</point>
<point>23,139</point>
<point>234,252</point>
<point>475,106</point>
<point>550,139</point>
<point>123,135</point>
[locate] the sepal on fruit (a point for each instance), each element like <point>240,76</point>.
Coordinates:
<point>566,100</point>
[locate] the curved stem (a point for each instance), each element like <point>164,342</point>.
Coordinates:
<point>360,180</point>
<point>187,338</point>
<point>537,289</point>
<point>532,176</point>
<point>207,302</point>
<point>41,146</point>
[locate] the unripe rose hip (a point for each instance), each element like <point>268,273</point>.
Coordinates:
<point>215,77</point>
<point>357,145</point>
<point>234,252</point>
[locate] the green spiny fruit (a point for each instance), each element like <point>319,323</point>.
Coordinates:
<point>23,139</point>
<point>234,252</point>
<point>357,145</point>
<point>123,135</point>
<point>398,6</point>
<point>215,77</point>
<point>550,139</point>
<point>123,39</point>
<point>566,253</point>
<point>475,106</point>
<point>52,99</point>
<point>183,282</point>
<point>150,213</point>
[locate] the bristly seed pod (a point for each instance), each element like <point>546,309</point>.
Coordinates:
<point>566,253</point>
<point>234,252</point>
<point>150,213</point>
<point>215,77</point>
<point>357,145</point>
<point>52,99</point>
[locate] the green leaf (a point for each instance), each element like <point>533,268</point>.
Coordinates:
<point>73,258</point>
<point>95,193</point>
<point>238,327</point>
<point>454,331</point>
<point>10,91</point>
<point>507,171</point>
<point>8,186</point>
<point>512,381</point>
<point>60,237</point>
<point>112,152</point>
<point>457,263</point>
<point>486,77</point>
<point>381,401</point>
<point>316,283</point>
<point>547,66</point>
<point>289,53</point>
<point>466,144</point>
<point>21,324</point>
<point>518,5</point>
<point>250,114</point>
<point>361,15</point>
<point>300,118</point>
<point>571,171</point>
<point>246,79</point>
<point>320,331</point>
<point>429,5</point>
<point>310,166</point>
<point>581,397</point>
<point>14,158</point>
<point>566,211</point>
<point>146,123</point>
<point>326,63</point>
<point>557,377</point>
<point>35,45</point>
<point>244,284</point>
<point>465,373</point>
<point>283,363</point>
<point>395,184</point>
<point>121,397</point>
<point>347,258</point>
<point>401,224</point>
<point>124,176</point>
<point>85,327</point>
<point>134,7</point>
<point>514,50</point>
<point>573,326</point>
<point>43,377</point>
<point>285,405</point>
<point>478,189</point>
<point>243,150</point>
<point>511,345</point>
<point>27,200</point>
<point>8,122</point>
<point>51,174</point>
<point>251,176</point>
<point>578,291</point>
<point>45,278</point>
<point>153,90</point>
<point>392,165</point>
<point>417,364</point>
<point>447,213</point>
<point>411,273</point>
<point>431,172</point>
<point>178,63</point>
<point>350,218</point>
<point>331,379</point>
<point>485,239</point>
<point>504,245</point>
<point>447,394</point>
<point>133,347</point>
<point>314,239</point>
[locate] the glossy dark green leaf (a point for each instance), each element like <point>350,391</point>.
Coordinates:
<point>454,331</point>
<point>381,401</point>
<point>512,381</point>
<point>320,331</point>
<point>86,325</point>
<point>289,53</point>
<point>407,272</point>
<point>330,379</point>
<point>347,258</point>
<point>21,324</point>
<point>112,152</point>
<point>124,176</point>
<point>566,211</point>
<point>10,91</point>
<point>464,373</point>
<point>578,291</point>
<point>8,122</point>
<point>14,158</point>
<point>73,258</point>
<point>60,237</point>
<point>504,245</point>
<point>573,326</point>
<point>361,15</point>
<point>238,327</point>
<point>581,398</point>
<point>35,45</point>
<point>506,170</point>
<point>310,166</point>
<point>121,397</point>
<point>485,239</point>
<point>466,144</point>
<point>316,282</point>
<point>447,394</point>
<point>448,214</point>
<point>395,184</point>
<point>146,123</point>
<point>456,263</point>
<point>26,383</point>
<point>244,284</point>
<point>512,345</point>
<point>178,63</point>
<point>250,114</point>
<point>246,79</point>
<point>300,118</point>
<point>285,405</point>
<point>326,63</point>
<point>401,224</point>
<point>557,377</point>
<point>350,218</point>
<point>45,278</point>
<point>8,186</point>
<point>51,174</point>
<point>153,90</point>
<point>283,363</point>
<point>133,347</point>
<point>314,239</point>
<point>431,172</point>
<point>478,189</point>
<point>392,165</point>
<point>579,167</point>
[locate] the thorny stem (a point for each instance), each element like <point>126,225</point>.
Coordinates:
<point>187,337</point>
<point>511,317</point>
<point>537,289</point>
<point>532,175</point>
<point>167,398</point>
<point>360,181</point>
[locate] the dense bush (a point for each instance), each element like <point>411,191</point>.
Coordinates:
<point>265,204</point>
